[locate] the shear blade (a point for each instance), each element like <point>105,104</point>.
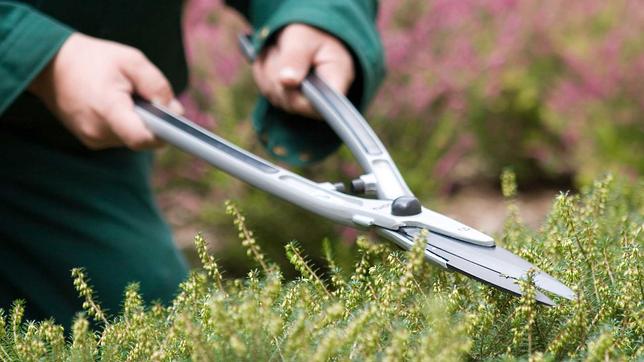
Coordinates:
<point>493,265</point>
<point>486,276</point>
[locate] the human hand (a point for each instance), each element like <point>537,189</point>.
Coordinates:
<point>281,67</point>
<point>89,86</point>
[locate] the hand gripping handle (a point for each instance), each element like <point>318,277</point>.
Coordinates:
<point>352,128</point>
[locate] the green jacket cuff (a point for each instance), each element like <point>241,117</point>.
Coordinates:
<point>295,139</point>
<point>28,41</point>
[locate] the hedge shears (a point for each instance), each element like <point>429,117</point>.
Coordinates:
<point>395,213</point>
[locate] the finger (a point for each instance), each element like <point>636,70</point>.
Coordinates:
<point>128,126</point>
<point>297,103</point>
<point>176,107</point>
<point>334,64</point>
<point>274,90</point>
<point>95,135</point>
<point>294,61</point>
<point>294,58</point>
<point>147,80</point>
<point>279,86</point>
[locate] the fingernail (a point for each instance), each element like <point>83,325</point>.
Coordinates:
<point>288,74</point>
<point>176,106</point>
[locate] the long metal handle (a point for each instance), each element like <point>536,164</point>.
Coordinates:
<point>320,198</point>
<point>352,128</point>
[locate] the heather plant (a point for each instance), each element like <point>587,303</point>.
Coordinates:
<point>552,88</point>
<point>390,305</point>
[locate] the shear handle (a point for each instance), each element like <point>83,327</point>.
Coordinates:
<point>352,128</point>
<point>315,197</point>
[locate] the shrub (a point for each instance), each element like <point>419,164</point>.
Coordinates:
<point>390,306</point>
<point>552,89</point>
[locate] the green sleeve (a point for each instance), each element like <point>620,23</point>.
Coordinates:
<point>28,41</point>
<point>291,138</point>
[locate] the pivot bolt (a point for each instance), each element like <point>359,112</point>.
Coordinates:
<point>365,184</point>
<point>406,206</point>
<point>357,186</point>
<point>339,186</point>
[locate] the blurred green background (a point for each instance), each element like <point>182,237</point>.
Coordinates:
<point>552,89</point>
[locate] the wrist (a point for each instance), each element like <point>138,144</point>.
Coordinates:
<point>37,86</point>
<point>40,86</point>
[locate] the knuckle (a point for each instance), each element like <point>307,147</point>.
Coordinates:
<point>109,110</point>
<point>92,141</point>
<point>136,55</point>
<point>161,87</point>
<point>90,133</point>
<point>139,142</point>
<point>153,84</point>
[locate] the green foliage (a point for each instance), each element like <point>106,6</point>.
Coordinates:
<point>391,306</point>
